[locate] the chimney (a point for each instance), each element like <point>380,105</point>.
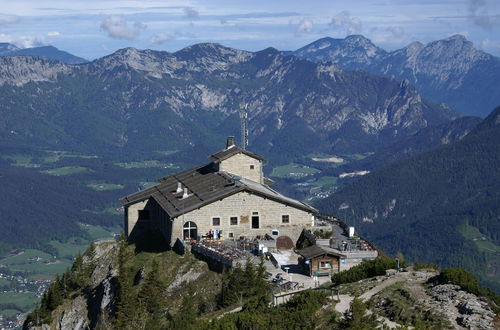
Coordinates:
<point>229,142</point>
<point>179,187</point>
<point>185,194</point>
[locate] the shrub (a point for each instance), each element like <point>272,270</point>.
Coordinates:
<point>364,270</point>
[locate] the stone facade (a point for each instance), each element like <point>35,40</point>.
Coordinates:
<point>243,206</point>
<point>227,195</point>
<point>244,166</point>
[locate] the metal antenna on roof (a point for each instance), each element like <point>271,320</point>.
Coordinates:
<point>244,125</point>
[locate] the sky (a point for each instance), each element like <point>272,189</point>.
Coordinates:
<point>95,28</point>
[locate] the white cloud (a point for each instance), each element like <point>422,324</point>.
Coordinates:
<point>53,33</point>
<point>352,25</point>
<point>396,31</point>
<point>23,41</point>
<point>191,13</point>
<point>161,38</point>
<point>304,26</point>
<point>118,28</point>
<point>8,19</point>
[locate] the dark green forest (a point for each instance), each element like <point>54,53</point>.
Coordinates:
<point>418,205</point>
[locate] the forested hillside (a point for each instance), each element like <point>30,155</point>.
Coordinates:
<point>441,206</point>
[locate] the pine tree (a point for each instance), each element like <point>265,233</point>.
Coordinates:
<point>125,310</point>
<point>150,296</point>
<point>54,294</point>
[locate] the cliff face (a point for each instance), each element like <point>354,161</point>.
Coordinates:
<point>163,290</point>
<point>101,296</point>
<point>85,307</point>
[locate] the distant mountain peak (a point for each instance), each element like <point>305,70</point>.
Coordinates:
<point>352,52</point>
<point>6,47</point>
<point>49,52</point>
<point>457,37</point>
<point>358,38</point>
<point>449,71</point>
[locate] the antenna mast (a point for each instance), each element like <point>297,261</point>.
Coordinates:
<point>244,125</point>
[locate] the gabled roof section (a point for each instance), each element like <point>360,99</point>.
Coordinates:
<point>205,186</point>
<point>316,250</point>
<point>231,151</point>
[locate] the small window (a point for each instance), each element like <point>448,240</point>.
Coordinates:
<point>285,219</point>
<point>143,214</point>
<point>233,221</point>
<point>255,213</point>
<point>325,264</point>
<point>275,232</point>
<point>252,167</point>
<point>231,235</point>
<point>216,221</point>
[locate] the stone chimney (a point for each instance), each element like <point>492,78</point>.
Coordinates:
<point>185,194</point>
<point>179,187</point>
<point>229,142</point>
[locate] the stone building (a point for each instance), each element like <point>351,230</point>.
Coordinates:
<point>227,198</point>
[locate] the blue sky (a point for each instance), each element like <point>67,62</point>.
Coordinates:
<point>94,28</point>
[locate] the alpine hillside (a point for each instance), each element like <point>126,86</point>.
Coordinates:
<point>440,206</point>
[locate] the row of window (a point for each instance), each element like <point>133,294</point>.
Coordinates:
<point>233,221</point>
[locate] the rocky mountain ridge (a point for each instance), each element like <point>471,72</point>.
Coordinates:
<point>449,70</point>
<point>288,99</point>
<point>48,52</point>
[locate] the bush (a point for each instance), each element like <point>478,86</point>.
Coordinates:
<point>364,270</point>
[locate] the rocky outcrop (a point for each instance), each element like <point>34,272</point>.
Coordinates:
<point>20,70</point>
<point>467,309</point>
<point>85,309</point>
<point>75,315</point>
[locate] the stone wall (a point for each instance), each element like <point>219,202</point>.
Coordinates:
<point>244,205</point>
<point>158,219</point>
<point>241,165</point>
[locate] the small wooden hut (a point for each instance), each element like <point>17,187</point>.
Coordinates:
<point>320,260</point>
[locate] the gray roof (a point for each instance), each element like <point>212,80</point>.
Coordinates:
<point>316,250</point>
<point>205,185</point>
<point>231,151</point>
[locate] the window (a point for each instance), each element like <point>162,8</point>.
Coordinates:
<point>325,264</point>
<point>275,232</point>
<point>216,221</point>
<point>252,167</point>
<point>233,221</point>
<point>255,221</point>
<point>190,230</point>
<point>143,214</point>
<point>285,219</point>
<point>231,235</point>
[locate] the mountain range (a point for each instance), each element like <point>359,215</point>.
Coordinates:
<point>191,98</point>
<point>439,206</point>
<point>449,70</point>
<point>49,52</point>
